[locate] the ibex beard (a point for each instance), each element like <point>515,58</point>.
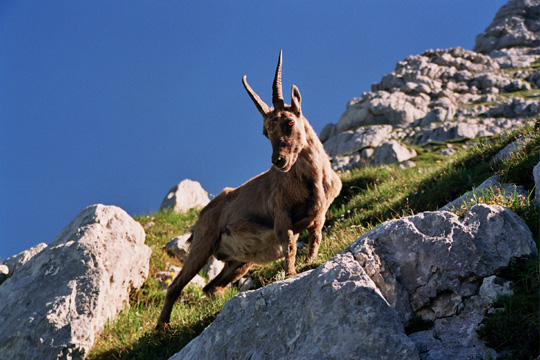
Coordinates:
<point>259,222</point>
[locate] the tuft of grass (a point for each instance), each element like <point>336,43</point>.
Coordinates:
<point>162,227</point>
<point>513,328</point>
<point>370,196</point>
<point>132,335</point>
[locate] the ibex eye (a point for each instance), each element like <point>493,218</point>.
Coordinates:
<point>291,122</point>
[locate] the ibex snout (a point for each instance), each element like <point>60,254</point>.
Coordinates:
<point>278,161</point>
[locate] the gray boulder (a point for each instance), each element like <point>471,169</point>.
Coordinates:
<point>354,160</point>
<point>212,268</point>
<point>179,247</point>
<point>516,24</point>
<point>327,132</point>
<point>509,149</point>
<point>351,141</point>
<point>433,265</point>
<point>515,108</point>
<point>332,312</point>
<point>389,152</point>
<point>392,108</point>
<point>462,128</point>
<point>515,58</point>
<point>186,195</point>
<point>16,261</point>
<point>54,305</point>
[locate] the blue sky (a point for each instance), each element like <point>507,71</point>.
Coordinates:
<point>115,102</point>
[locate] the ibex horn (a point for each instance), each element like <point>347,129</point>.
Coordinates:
<point>261,106</point>
<point>277,91</point>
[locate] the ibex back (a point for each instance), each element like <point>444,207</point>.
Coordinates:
<point>259,222</point>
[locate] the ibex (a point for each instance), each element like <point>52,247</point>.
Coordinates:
<point>259,222</point>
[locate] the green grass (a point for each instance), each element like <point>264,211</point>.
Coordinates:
<point>369,197</point>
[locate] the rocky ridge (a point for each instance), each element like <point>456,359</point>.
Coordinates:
<point>445,95</point>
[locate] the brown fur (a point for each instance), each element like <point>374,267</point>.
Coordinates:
<point>259,222</point>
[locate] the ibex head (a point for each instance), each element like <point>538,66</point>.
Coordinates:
<point>283,124</point>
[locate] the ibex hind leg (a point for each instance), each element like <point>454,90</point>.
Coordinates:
<point>232,271</point>
<point>197,258</point>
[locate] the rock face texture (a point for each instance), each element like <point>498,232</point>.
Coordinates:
<point>16,261</point>
<point>54,304</point>
<point>179,247</point>
<point>515,24</point>
<point>433,265</point>
<point>186,195</point>
<point>444,95</point>
<point>333,312</point>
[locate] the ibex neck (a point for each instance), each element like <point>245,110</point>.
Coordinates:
<point>312,160</point>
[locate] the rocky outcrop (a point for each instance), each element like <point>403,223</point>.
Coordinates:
<point>433,265</point>
<point>444,95</point>
<point>351,141</point>
<point>54,305</point>
<point>510,149</point>
<point>16,261</point>
<point>186,195</point>
<point>332,312</point>
<point>442,268</point>
<point>515,24</point>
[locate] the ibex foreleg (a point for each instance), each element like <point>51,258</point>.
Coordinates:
<point>283,229</point>
<point>315,237</point>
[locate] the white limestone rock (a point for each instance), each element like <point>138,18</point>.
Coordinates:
<point>387,153</point>
<point>16,261</point>
<point>332,312</point>
<point>516,24</point>
<point>391,152</point>
<point>433,264</point>
<point>350,141</point>
<point>391,108</point>
<point>509,150</point>
<point>493,287</point>
<point>327,132</point>
<point>179,247</point>
<point>186,195</point>
<point>55,304</point>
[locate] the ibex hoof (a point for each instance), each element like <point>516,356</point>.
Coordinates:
<point>162,326</point>
<point>291,273</point>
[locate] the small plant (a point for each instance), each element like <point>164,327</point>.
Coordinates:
<point>513,329</point>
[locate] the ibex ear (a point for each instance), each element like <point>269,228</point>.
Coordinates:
<point>296,100</point>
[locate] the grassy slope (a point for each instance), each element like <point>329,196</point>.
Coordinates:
<point>369,197</point>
